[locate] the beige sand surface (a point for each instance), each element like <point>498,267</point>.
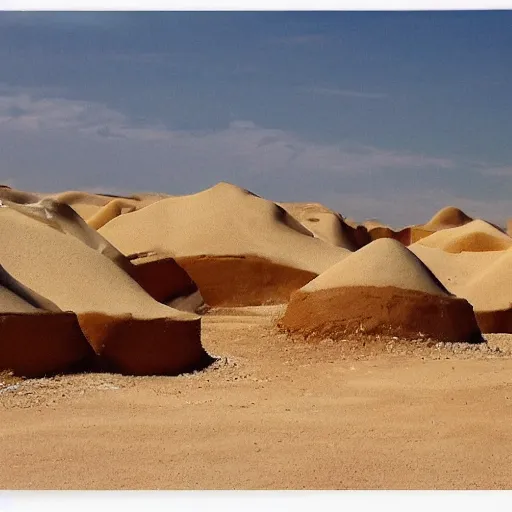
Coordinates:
<point>447,217</point>
<point>490,289</point>
<point>383,262</point>
<point>98,209</point>
<point>324,223</point>
<point>36,338</point>
<point>128,329</point>
<point>454,270</point>
<point>275,414</point>
<point>475,236</point>
<point>75,276</point>
<point>382,288</point>
<point>18,196</point>
<point>224,220</point>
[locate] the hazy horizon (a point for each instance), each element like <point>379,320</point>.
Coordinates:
<point>389,115</point>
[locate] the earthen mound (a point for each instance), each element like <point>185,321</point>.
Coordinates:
<point>128,329</point>
<point>381,289</point>
<point>327,225</point>
<point>221,237</point>
<point>18,196</point>
<point>162,277</point>
<point>491,296</point>
<point>162,280</point>
<point>475,236</point>
<point>34,341</point>
<point>97,209</point>
<point>454,270</point>
<point>448,217</point>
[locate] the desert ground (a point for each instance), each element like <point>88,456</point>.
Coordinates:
<point>221,340</point>
<point>271,413</point>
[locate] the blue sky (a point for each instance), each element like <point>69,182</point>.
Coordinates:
<point>390,115</point>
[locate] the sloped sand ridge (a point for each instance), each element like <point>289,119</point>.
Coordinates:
<point>33,341</point>
<point>18,196</point>
<point>244,280</point>
<point>106,299</point>
<point>405,236</point>
<point>327,225</point>
<point>448,217</point>
<point>208,231</point>
<point>474,236</point>
<point>164,280</point>
<point>445,218</point>
<point>97,209</point>
<point>382,288</point>
<point>491,295</point>
<point>454,270</point>
<point>161,277</point>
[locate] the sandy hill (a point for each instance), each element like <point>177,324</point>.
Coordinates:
<point>98,209</point>
<point>454,270</point>
<point>163,284</point>
<point>382,288</point>
<point>35,341</point>
<point>491,295</point>
<point>129,330</point>
<point>448,217</point>
<point>475,236</point>
<point>240,249</point>
<point>406,236</point>
<point>18,196</point>
<point>327,225</point>
<point>509,227</point>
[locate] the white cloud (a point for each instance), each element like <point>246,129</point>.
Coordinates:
<point>243,143</point>
<point>52,144</point>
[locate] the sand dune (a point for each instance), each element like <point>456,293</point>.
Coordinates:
<point>448,217</point>
<point>162,277</point>
<point>35,341</point>
<point>98,209</point>
<point>129,330</point>
<point>382,288</point>
<point>327,225</point>
<point>454,270</point>
<point>106,213</point>
<point>491,296</point>
<point>163,284</point>
<point>445,218</point>
<point>18,196</point>
<point>474,236</point>
<point>240,249</point>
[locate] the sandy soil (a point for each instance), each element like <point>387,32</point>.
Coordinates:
<point>271,413</point>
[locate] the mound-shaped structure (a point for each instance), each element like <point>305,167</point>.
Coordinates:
<point>17,196</point>
<point>490,294</point>
<point>475,236</point>
<point>405,236</point>
<point>36,337</point>
<point>161,277</point>
<point>327,225</point>
<point>239,249</point>
<point>111,210</point>
<point>454,270</point>
<point>164,280</point>
<point>130,331</point>
<point>381,289</point>
<point>448,217</point>
<point>98,209</point>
